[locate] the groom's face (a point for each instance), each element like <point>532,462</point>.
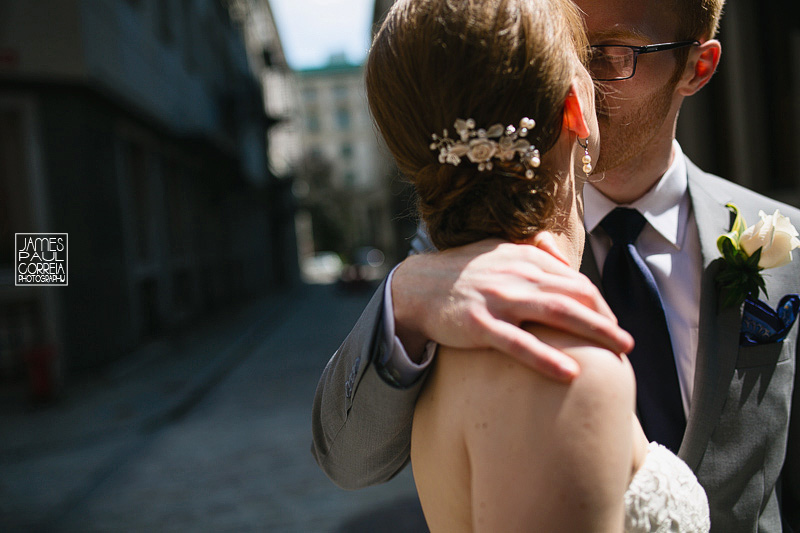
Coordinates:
<point>636,112</point>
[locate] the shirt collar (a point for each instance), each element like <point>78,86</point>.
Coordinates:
<point>661,205</point>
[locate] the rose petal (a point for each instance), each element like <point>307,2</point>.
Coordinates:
<point>782,223</point>
<point>754,237</point>
<point>778,253</point>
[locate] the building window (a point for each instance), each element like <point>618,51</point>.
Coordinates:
<point>347,150</point>
<point>312,123</point>
<point>165,19</point>
<point>12,180</point>
<point>177,223</point>
<point>137,172</point>
<point>340,92</point>
<point>342,118</point>
<point>189,45</point>
<point>309,95</point>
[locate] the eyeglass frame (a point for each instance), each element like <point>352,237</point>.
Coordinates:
<point>638,50</point>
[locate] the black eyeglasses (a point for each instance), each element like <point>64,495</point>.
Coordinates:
<point>614,62</point>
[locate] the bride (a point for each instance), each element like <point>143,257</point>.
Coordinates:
<point>487,108</point>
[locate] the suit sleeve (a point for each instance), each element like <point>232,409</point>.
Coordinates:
<point>361,425</point>
<point>790,476</point>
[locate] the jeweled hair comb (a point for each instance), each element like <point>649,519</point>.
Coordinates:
<point>482,146</point>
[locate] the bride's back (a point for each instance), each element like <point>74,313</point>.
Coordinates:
<point>497,447</point>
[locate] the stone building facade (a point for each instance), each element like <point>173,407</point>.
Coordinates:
<point>139,128</point>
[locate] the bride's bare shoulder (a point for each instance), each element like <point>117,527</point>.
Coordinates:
<point>535,450</point>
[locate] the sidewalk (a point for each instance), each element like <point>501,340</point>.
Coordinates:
<point>205,430</point>
<point>156,383</point>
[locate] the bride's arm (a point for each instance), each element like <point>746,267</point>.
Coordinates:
<point>540,456</point>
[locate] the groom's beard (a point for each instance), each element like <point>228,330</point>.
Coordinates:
<point>626,134</point>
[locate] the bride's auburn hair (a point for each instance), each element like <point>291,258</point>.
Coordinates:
<point>495,61</point>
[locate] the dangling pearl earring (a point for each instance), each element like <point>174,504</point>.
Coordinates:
<point>587,159</point>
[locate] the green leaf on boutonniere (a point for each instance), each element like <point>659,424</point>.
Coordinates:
<point>728,243</point>
<point>772,239</point>
<point>740,274</point>
<point>739,224</point>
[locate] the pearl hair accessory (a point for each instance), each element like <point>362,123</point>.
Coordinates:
<point>587,159</point>
<point>481,146</point>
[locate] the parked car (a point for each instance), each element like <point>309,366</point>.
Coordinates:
<point>366,269</point>
<point>321,268</point>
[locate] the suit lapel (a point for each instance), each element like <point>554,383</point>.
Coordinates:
<point>718,341</point>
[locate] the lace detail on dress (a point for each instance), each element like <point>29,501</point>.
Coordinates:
<point>665,496</point>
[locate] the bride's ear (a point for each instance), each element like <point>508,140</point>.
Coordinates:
<point>574,119</point>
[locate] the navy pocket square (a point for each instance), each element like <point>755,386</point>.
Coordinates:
<point>763,325</point>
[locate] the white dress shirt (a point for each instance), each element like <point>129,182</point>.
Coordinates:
<point>669,244</point>
<point>395,359</point>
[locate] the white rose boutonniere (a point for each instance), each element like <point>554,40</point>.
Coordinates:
<point>775,236</point>
<point>749,250</point>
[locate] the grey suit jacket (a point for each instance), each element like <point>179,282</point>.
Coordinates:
<point>742,437</point>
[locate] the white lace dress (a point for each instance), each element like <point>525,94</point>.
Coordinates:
<point>665,496</point>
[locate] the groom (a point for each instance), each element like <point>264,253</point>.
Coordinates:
<point>739,403</point>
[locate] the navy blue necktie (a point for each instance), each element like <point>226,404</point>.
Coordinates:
<point>631,291</point>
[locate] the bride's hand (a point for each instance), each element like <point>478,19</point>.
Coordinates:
<point>477,296</point>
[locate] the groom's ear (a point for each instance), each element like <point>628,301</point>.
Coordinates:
<point>700,66</point>
<point>574,119</point>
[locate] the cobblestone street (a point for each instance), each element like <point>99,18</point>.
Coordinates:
<point>209,433</point>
